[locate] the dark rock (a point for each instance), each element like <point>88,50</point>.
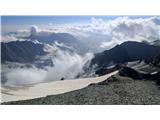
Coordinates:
<point>126,52</point>
<point>105,70</point>
<point>156,61</point>
<point>21,51</point>
<point>129,72</point>
<point>62,78</point>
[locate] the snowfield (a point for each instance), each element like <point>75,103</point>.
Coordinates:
<point>50,88</point>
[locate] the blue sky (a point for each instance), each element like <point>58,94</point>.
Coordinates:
<point>12,23</point>
<point>98,28</point>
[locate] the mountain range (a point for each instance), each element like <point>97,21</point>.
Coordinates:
<point>126,52</point>
<point>65,38</point>
<point>27,51</point>
<point>33,46</point>
<point>21,51</point>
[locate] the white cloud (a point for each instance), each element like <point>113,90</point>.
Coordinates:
<point>67,65</point>
<point>33,30</point>
<point>99,32</point>
<point>126,29</point>
<point>8,38</point>
<point>118,30</point>
<point>50,24</point>
<point>22,76</point>
<point>108,45</point>
<point>14,36</point>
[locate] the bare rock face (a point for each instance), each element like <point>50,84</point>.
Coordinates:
<point>129,72</point>
<point>126,52</point>
<point>156,61</point>
<point>21,51</point>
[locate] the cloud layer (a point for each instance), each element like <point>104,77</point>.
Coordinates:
<point>99,31</point>
<point>117,30</point>
<point>66,65</point>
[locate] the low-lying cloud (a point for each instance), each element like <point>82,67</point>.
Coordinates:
<point>25,76</point>
<point>66,65</point>
<point>108,45</point>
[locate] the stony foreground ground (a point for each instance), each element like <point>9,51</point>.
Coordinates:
<point>116,90</point>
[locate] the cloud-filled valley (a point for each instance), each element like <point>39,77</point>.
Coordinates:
<point>67,65</point>
<point>71,46</point>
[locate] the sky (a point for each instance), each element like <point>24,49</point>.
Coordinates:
<point>95,31</point>
<point>13,23</point>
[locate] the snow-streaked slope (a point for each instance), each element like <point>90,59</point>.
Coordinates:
<point>50,88</point>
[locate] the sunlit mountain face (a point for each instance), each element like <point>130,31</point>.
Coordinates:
<point>46,48</point>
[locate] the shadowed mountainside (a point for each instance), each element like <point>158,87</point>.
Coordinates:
<point>126,52</point>
<point>21,51</point>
